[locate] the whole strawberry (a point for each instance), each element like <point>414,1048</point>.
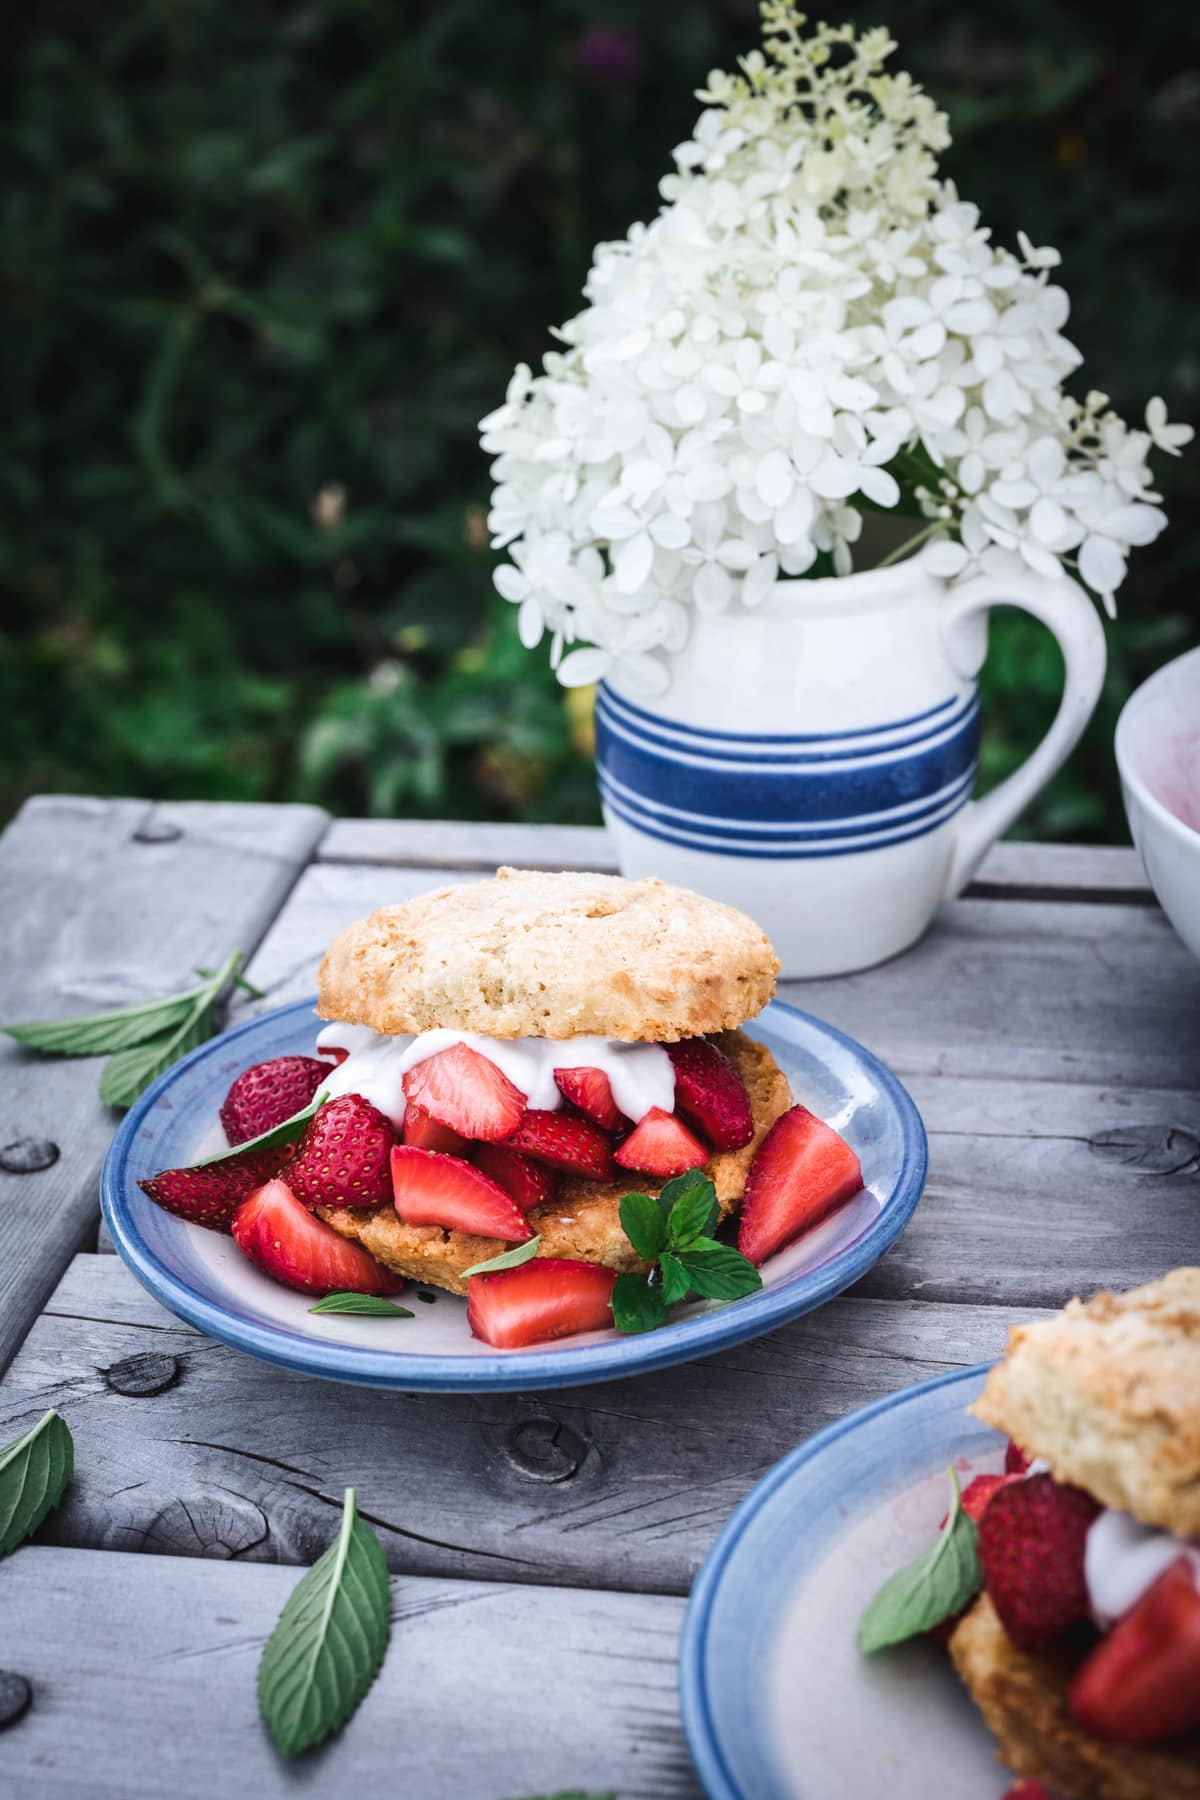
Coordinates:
<point>344,1158</point>
<point>1031,1542</point>
<point>211,1193</point>
<point>270,1092</point>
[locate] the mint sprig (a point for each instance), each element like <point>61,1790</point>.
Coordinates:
<point>507,1259</point>
<point>286,1132</point>
<point>674,1232</point>
<point>34,1471</point>
<point>366,1306</point>
<point>936,1585</point>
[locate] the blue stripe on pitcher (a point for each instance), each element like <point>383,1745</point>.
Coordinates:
<point>686,785</point>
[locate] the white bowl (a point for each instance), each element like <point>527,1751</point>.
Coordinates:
<point>1158,756</point>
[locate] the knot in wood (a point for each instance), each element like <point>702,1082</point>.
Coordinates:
<point>26,1155</point>
<point>139,1376</point>
<point>545,1449</point>
<point>1151,1149</point>
<point>155,830</point>
<point>16,1697</point>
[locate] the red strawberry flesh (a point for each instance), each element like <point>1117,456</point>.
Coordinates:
<point>591,1091</point>
<point>564,1142</point>
<point>268,1093</point>
<point>427,1134</point>
<point>343,1156</point>
<point>283,1239</point>
<point>464,1090</point>
<point>526,1182</point>
<point>433,1189</point>
<point>211,1193</point>
<point>802,1171</point>
<point>710,1094</point>
<point>1141,1684</point>
<point>1015,1460</point>
<point>549,1297</point>
<point>661,1144</point>
<point>1031,1543</point>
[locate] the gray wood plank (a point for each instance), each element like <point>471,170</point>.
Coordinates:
<point>143,1677</point>
<point>106,901</point>
<point>622,1486</point>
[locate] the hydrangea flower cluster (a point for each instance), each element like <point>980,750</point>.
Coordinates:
<point>813,326</point>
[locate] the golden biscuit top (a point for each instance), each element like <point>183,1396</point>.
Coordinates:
<point>1108,1393</point>
<point>531,954</point>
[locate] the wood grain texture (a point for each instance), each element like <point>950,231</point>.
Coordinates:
<point>103,902</point>
<point>487,1689</point>
<point>622,1486</point>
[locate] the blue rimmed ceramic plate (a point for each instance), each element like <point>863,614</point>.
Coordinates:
<point>777,1701</point>
<point>202,1276</point>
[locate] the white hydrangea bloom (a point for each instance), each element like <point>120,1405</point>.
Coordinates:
<point>812,327</point>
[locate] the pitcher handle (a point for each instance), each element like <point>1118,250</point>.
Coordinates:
<point>1063,606</point>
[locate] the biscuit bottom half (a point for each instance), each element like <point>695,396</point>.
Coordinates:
<point>1023,1699</point>
<point>584,1221</point>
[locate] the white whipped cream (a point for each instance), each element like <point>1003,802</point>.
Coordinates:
<point>640,1075</point>
<point>1122,1560</point>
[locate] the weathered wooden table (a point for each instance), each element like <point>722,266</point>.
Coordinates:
<point>1049,1030</point>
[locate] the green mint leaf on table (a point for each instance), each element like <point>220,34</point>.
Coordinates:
<point>644,1225</point>
<point>936,1585</point>
<point>372,1306</point>
<point>508,1259</point>
<point>636,1305</point>
<point>34,1472</point>
<point>693,1209</point>
<point>328,1645</point>
<point>717,1271</point>
<point>286,1132</point>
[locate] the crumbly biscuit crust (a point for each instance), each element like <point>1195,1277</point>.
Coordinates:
<point>1108,1392</point>
<point>1023,1699</point>
<point>530,954</point>
<point>584,1222</point>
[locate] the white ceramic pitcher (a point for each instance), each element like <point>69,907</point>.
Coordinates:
<point>813,761</point>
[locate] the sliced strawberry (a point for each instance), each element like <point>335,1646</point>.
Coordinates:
<point>1027,1789</point>
<point>591,1091</point>
<point>573,1145</point>
<point>211,1194</point>
<point>336,1053</point>
<point>433,1189</point>
<point>268,1093</point>
<point>282,1238</point>
<point>1031,1542</point>
<point>427,1134</point>
<point>710,1095</point>
<point>343,1156</point>
<point>661,1144</point>
<point>465,1091</point>
<point>1015,1460</point>
<point>1141,1683</point>
<point>802,1171</point>
<point>546,1298</point>
<point>527,1183</point>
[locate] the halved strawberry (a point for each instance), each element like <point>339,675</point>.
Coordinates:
<point>211,1194</point>
<point>549,1297</point>
<point>591,1091</point>
<point>1027,1789</point>
<point>336,1053</point>
<point>1141,1683</point>
<point>710,1095</point>
<point>427,1134</point>
<point>343,1156</point>
<point>282,1238</point>
<point>527,1183</point>
<point>661,1144</point>
<point>573,1145</point>
<point>268,1093</point>
<point>433,1189</point>
<point>1031,1542</point>
<point>975,1497</point>
<point>465,1091</point>
<point>801,1172</point>
<point>1015,1460</point>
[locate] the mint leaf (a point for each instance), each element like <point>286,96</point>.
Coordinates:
<point>129,1072</point>
<point>34,1472</point>
<point>936,1585</point>
<point>508,1259</point>
<point>676,1282</point>
<point>695,1211</point>
<point>328,1645</point>
<point>286,1132</point>
<point>373,1306</point>
<point>636,1305</point>
<point>643,1224</point>
<point>718,1271</point>
<point>95,1034</point>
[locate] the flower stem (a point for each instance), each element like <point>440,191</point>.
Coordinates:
<point>902,550</point>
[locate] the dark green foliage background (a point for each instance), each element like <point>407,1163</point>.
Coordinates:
<point>254,251</point>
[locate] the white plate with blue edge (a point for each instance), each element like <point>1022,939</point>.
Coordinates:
<point>203,1277</point>
<point>778,1701</point>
